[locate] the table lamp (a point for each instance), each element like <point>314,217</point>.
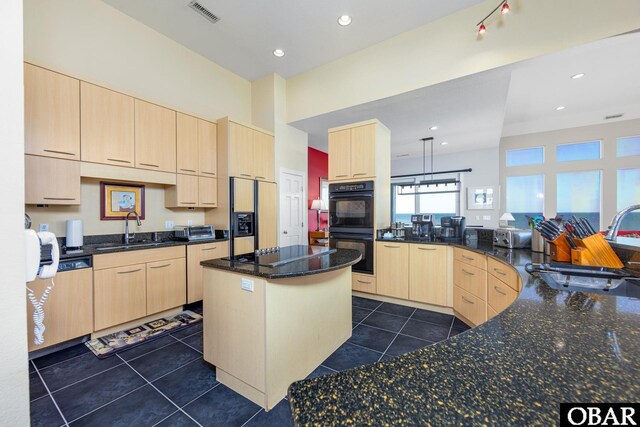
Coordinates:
<point>319,205</point>
<point>504,220</point>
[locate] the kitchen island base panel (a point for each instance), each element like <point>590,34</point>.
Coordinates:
<point>262,341</point>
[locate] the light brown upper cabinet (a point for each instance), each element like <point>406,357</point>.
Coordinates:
<point>241,154</point>
<point>264,152</point>
<point>51,113</point>
<point>360,150</point>
<point>192,191</point>
<point>155,137</point>
<point>187,144</point>
<point>107,128</point>
<point>207,148</point>
<point>247,151</point>
<point>50,181</point>
<point>207,192</point>
<point>196,146</point>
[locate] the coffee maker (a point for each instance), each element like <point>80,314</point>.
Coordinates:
<point>422,226</point>
<point>452,227</point>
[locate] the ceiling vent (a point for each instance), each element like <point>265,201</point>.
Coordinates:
<point>615,116</point>
<point>204,12</point>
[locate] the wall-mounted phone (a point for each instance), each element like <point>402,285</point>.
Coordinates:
<point>33,244</point>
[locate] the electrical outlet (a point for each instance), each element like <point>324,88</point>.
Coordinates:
<point>168,225</point>
<point>247,285</point>
<point>487,217</point>
<point>43,227</point>
<point>477,217</point>
<point>189,222</point>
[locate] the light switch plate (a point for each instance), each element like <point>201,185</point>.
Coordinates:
<point>247,285</point>
<point>168,225</point>
<point>43,227</point>
<point>189,222</point>
<point>487,217</point>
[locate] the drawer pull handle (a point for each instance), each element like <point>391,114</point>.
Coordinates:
<point>427,249</point>
<point>210,249</point>
<point>188,203</point>
<point>150,165</point>
<point>59,198</point>
<point>500,272</point>
<point>468,272</point>
<point>392,247</point>
<point>499,291</point>
<point>66,153</point>
<point>468,257</point>
<point>209,203</point>
<point>188,170</point>
<point>118,160</point>
<point>160,266</point>
<point>467,301</point>
<point>362,281</point>
<point>129,271</point>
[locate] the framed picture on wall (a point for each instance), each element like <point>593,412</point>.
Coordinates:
<point>483,198</point>
<point>118,199</point>
<point>324,192</point>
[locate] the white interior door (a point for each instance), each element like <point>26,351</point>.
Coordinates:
<point>292,208</point>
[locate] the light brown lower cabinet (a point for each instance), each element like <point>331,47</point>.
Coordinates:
<point>391,272</point>
<point>469,306</point>
<point>429,274</point>
<point>166,284</point>
<point>195,255</point>
<point>120,295</point>
<point>68,309</point>
<point>499,294</point>
<point>363,283</point>
<point>471,279</point>
<point>50,181</point>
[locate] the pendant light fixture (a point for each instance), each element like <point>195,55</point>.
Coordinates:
<point>427,182</point>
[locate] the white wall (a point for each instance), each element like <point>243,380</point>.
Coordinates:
<point>14,384</point>
<point>449,48</point>
<point>94,42</point>
<point>484,165</point>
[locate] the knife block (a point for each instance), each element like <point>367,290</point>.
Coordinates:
<point>560,249</point>
<point>595,251</point>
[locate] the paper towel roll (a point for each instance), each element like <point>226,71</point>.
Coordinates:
<point>74,233</point>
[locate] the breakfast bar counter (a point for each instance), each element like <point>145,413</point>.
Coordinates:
<point>266,326</point>
<point>550,346</point>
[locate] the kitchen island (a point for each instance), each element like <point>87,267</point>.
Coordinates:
<point>269,324</point>
<point>550,346</point>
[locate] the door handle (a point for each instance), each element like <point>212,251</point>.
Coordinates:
<point>188,170</point>
<point>118,160</point>
<point>285,232</point>
<point>59,198</point>
<point>359,173</point>
<point>392,247</point>
<point>129,271</point>
<point>159,266</point>
<point>427,249</point>
<point>59,152</point>
<point>149,164</point>
<point>340,176</point>
<point>209,173</point>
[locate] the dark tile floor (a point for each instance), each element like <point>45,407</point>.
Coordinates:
<point>166,382</point>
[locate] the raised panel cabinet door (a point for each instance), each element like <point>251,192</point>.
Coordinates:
<point>340,154</point>
<point>50,181</point>
<point>207,192</point>
<point>68,310</point>
<point>264,156</point>
<point>155,140</point>
<point>51,113</point>
<point>166,285</point>
<point>428,274</point>
<point>207,148</point>
<point>187,144</point>
<point>241,151</point>
<point>363,151</point>
<point>106,126</point>
<point>392,269</point>
<point>267,215</point>
<point>195,255</point>
<point>243,190</point>
<point>120,295</point>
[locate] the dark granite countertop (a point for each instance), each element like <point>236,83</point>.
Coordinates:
<point>550,346</point>
<point>320,264</point>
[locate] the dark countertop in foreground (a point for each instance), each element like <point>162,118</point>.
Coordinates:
<point>320,264</point>
<point>550,346</point>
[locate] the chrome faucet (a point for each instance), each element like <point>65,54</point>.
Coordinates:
<point>128,236</point>
<point>612,232</point>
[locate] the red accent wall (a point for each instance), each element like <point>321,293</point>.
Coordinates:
<point>318,167</point>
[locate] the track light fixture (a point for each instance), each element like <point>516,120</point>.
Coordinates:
<point>504,9</point>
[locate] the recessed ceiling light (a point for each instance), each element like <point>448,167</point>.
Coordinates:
<point>344,20</point>
<point>562,107</point>
<point>433,128</point>
<point>577,76</point>
<point>278,52</point>
<point>444,143</point>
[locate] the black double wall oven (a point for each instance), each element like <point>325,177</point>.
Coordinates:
<point>351,222</point>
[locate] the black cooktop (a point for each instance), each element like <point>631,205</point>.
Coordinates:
<point>281,256</point>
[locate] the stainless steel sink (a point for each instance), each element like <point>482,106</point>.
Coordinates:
<point>580,277</point>
<point>119,246</point>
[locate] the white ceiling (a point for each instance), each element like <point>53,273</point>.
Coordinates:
<point>249,30</point>
<point>474,112</point>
